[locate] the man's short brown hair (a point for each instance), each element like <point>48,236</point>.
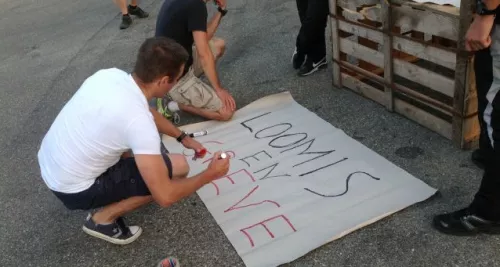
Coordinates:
<point>158,57</point>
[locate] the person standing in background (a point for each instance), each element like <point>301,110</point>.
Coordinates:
<point>131,9</point>
<point>310,48</point>
<point>483,214</point>
<point>484,77</point>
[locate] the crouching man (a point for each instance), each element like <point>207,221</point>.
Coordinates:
<point>185,21</point>
<point>104,148</point>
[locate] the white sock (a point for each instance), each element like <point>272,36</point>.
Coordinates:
<point>173,106</point>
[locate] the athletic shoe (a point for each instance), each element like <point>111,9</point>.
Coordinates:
<point>126,21</point>
<point>168,108</point>
<point>311,67</point>
<point>117,232</point>
<point>298,59</point>
<point>137,11</point>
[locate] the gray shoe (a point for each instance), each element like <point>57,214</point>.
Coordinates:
<point>126,22</point>
<point>117,232</point>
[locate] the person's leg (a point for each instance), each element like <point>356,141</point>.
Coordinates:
<point>314,28</point>
<point>217,46</point>
<point>299,55</point>
<point>195,96</point>
<point>180,167</point>
<point>483,215</point>
<point>126,19</point>
<point>111,212</point>
<point>119,191</point>
<point>484,76</point>
<point>122,5</point>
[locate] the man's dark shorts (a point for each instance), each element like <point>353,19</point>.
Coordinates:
<point>121,181</point>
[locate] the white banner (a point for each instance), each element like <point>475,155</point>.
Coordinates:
<point>295,182</point>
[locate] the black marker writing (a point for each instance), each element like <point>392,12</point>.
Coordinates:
<point>288,125</point>
<point>272,143</point>
<point>250,128</point>
<point>254,156</point>
<point>307,152</point>
<point>346,185</point>
<point>326,166</point>
<point>267,175</point>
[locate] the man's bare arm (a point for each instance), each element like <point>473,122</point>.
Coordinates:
<point>206,58</point>
<point>213,25</point>
<point>164,126</point>
<point>166,191</point>
<point>491,4</point>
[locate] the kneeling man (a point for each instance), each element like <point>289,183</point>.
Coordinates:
<point>185,21</point>
<point>104,148</point>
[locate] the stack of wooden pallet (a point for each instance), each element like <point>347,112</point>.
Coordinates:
<point>409,57</point>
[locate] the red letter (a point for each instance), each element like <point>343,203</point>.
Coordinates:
<point>231,154</point>
<point>263,223</point>
<point>207,142</point>
<point>230,178</point>
<point>233,207</point>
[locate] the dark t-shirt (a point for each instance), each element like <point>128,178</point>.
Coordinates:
<point>178,19</point>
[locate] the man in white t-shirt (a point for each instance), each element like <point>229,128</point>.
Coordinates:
<point>85,156</point>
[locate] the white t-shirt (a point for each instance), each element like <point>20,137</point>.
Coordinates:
<point>106,117</point>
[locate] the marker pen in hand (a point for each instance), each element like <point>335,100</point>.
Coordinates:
<point>223,155</point>
<point>200,154</point>
<point>200,133</point>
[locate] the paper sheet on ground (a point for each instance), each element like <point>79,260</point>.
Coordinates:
<point>295,182</point>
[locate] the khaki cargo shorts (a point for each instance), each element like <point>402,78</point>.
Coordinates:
<point>192,91</point>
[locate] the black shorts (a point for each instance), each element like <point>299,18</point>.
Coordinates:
<point>121,181</point>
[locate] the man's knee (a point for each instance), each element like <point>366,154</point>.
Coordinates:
<point>220,47</point>
<point>226,115</point>
<point>180,166</point>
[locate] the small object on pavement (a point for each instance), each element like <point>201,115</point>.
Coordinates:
<point>200,154</point>
<point>169,262</point>
<point>200,133</point>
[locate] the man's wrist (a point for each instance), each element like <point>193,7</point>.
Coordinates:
<point>207,176</point>
<point>222,10</point>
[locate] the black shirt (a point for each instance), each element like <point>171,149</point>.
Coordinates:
<point>178,19</point>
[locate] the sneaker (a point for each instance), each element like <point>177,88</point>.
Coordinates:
<point>465,223</point>
<point>126,22</point>
<point>480,158</point>
<point>137,11</point>
<point>168,109</point>
<point>298,59</point>
<point>311,67</point>
<point>169,262</point>
<point>117,232</point>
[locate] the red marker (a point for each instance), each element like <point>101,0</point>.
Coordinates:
<point>200,154</point>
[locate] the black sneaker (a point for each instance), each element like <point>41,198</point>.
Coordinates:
<point>465,223</point>
<point>137,11</point>
<point>479,158</point>
<point>311,67</point>
<point>117,233</point>
<point>298,59</point>
<point>126,21</point>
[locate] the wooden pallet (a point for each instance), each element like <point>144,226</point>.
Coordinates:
<point>409,57</point>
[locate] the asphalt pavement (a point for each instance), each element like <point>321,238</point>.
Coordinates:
<point>47,49</point>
